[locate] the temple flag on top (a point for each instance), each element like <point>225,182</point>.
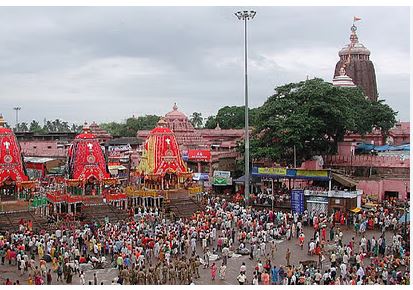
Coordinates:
<point>356,18</point>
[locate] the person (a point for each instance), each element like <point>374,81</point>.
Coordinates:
<point>82,278</point>
<point>95,279</point>
<point>274,275</point>
<point>255,280</point>
<point>287,256</point>
<point>265,278</point>
<point>301,239</point>
<point>8,282</point>
<point>49,277</point>
<point>213,271</point>
<point>242,278</point>
<point>243,268</point>
<point>222,271</point>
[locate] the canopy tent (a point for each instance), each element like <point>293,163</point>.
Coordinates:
<point>363,147</point>
<point>253,179</point>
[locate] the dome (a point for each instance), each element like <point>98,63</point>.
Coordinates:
<point>354,47</point>
<point>175,114</point>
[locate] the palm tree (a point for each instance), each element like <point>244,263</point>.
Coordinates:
<point>196,119</point>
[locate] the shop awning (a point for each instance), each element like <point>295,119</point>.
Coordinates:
<point>356,210</point>
<point>344,180</point>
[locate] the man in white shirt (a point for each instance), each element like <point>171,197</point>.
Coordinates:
<point>343,270</point>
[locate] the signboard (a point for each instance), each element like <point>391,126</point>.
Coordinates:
<point>199,155</point>
<point>297,201</point>
<point>200,176</point>
<point>222,180</point>
<point>120,148</point>
<point>272,171</point>
<point>219,173</point>
<point>309,173</point>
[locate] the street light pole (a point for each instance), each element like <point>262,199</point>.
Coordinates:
<point>405,212</point>
<point>17,109</point>
<point>245,16</point>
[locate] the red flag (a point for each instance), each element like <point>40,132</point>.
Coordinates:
<point>356,18</point>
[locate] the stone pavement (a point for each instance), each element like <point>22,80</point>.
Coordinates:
<point>107,275</point>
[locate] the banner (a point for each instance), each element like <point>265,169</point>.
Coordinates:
<point>310,173</point>
<point>297,201</point>
<point>272,170</point>
<point>199,155</point>
<point>120,148</point>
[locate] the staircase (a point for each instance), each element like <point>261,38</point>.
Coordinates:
<point>183,207</point>
<point>98,212</point>
<point>10,221</point>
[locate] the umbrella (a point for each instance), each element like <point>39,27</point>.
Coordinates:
<point>404,218</point>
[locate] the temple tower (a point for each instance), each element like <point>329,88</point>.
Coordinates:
<point>355,65</point>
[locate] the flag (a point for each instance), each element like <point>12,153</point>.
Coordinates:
<point>356,18</point>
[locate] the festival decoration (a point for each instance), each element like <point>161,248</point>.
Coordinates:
<point>11,165</point>
<point>86,159</point>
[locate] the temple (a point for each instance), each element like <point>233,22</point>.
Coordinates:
<point>161,164</point>
<point>13,177</point>
<point>356,67</point>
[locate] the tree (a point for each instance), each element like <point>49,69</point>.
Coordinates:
<point>196,119</point>
<point>210,123</point>
<point>131,125</point>
<point>76,128</point>
<point>35,127</point>
<point>314,116</point>
<point>22,127</point>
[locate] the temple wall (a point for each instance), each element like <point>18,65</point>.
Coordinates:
<point>378,187</point>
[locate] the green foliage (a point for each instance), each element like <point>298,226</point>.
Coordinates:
<point>196,119</point>
<point>35,127</point>
<point>210,123</point>
<point>313,115</point>
<point>231,118</point>
<point>131,125</point>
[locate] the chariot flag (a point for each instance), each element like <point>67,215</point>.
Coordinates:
<point>356,18</point>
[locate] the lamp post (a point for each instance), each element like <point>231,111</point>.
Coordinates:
<point>17,109</point>
<point>245,16</point>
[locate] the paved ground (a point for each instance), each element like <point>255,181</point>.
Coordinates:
<point>297,255</point>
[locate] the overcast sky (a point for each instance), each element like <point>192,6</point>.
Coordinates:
<point>106,64</point>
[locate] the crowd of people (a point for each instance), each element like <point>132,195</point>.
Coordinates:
<point>150,248</point>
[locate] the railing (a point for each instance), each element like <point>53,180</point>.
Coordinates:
<point>367,161</point>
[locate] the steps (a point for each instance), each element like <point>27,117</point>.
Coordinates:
<point>98,212</point>
<point>184,206</point>
<point>10,221</point>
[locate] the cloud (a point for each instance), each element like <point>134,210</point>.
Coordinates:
<point>107,63</point>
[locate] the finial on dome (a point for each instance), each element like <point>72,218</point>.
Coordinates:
<point>86,127</point>
<point>2,122</point>
<point>353,37</point>
<point>175,107</point>
<point>162,123</point>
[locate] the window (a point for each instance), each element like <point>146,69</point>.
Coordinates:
<point>49,147</point>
